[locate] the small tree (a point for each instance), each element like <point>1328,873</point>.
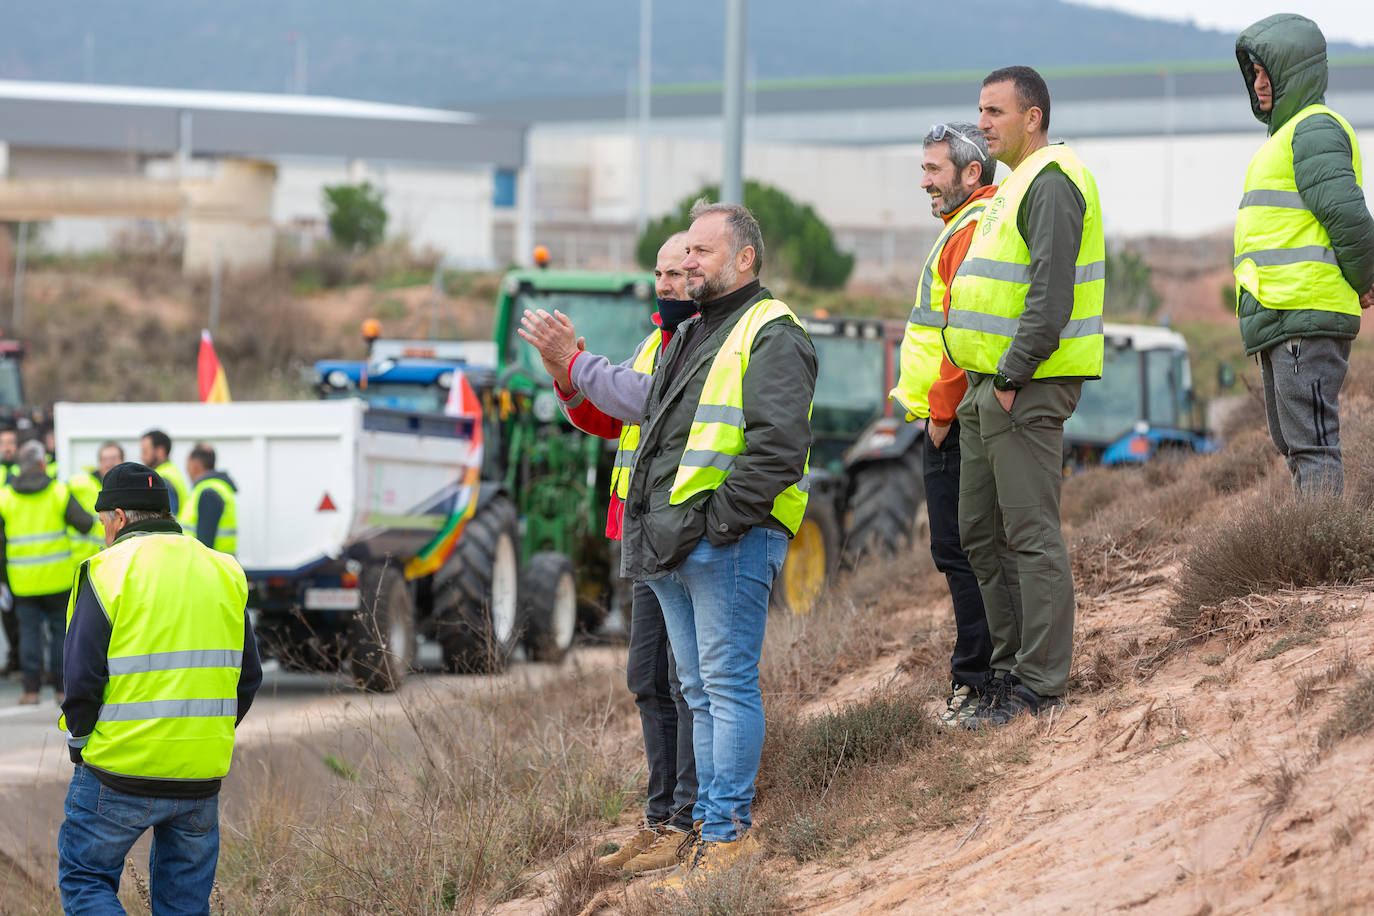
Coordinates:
<point>356,214</point>
<point>1129,287</point>
<point>798,245</point>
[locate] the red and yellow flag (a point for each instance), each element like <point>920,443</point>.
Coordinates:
<point>214,387</point>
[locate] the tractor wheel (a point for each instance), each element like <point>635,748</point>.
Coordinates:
<point>476,592</point>
<point>887,509</point>
<point>382,638</point>
<point>812,558</point>
<point>548,607</point>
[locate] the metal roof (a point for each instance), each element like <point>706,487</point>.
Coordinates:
<point>1130,100</point>
<point>149,121</point>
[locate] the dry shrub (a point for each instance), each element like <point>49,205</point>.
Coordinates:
<point>1355,716</point>
<point>1246,416</point>
<point>1237,466</point>
<point>452,805</point>
<point>1241,619</point>
<point>849,627</point>
<point>749,888</point>
<point>1269,543</point>
<point>1106,658</point>
<point>576,882</point>
<point>1088,493</point>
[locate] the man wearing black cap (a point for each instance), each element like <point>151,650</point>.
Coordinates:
<point>161,666</point>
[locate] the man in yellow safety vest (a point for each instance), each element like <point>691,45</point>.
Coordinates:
<point>1025,321</point>
<point>155,450</point>
<point>1304,247</point>
<point>36,554</point>
<point>161,666</point>
<point>211,510</point>
<point>718,487</point>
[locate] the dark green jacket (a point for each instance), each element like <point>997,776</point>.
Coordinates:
<point>778,388</point>
<point>1291,48</point>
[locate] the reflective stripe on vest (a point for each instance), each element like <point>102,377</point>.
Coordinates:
<point>226,535</point>
<point>922,348</point>
<point>38,553</point>
<point>717,433</point>
<point>990,286</point>
<point>86,489</point>
<point>644,363</point>
<point>176,612</point>
<point>1283,254</point>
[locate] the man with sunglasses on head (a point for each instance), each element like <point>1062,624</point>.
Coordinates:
<point>957,173</point>
<point>1025,321</point>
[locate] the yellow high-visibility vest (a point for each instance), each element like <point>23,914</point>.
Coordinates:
<point>1283,254</point>
<point>168,472</point>
<point>922,347</point>
<point>38,554</point>
<point>718,433</point>
<point>989,292</point>
<point>176,612</point>
<point>227,534</point>
<point>644,364</point>
<point>85,487</point>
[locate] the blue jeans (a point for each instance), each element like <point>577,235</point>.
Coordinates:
<point>715,605</point>
<point>101,827</point>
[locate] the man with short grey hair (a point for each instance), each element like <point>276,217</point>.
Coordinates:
<point>36,553</point>
<point>718,489</point>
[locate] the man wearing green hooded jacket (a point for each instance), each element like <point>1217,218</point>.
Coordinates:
<point>1304,247</point>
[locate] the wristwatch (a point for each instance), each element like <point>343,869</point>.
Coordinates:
<point>1002,383</point>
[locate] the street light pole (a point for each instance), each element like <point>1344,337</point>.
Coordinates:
<point>732,169</point>
<point>646,32</point>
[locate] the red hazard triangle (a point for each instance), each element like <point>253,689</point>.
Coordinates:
<point>327,505</point>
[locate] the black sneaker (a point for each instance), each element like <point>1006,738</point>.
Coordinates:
<point>1015,699</point>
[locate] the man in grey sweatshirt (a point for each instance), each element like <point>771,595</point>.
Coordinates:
<point>605,399</point>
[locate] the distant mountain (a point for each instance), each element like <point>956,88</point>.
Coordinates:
<point>435,52</point>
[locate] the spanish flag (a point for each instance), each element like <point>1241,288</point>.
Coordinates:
<point>214,387</point>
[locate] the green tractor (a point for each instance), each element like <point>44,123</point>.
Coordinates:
<point>867,499</point>
<point>558,475</point>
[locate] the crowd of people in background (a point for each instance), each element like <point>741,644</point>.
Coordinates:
<point>48,526</point>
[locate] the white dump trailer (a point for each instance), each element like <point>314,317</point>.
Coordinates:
<point>357,525</point>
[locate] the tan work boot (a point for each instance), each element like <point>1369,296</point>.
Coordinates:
<point>668,851</point>
<point>710,858</point>
<point>642,840</point>
<point>28,699</point>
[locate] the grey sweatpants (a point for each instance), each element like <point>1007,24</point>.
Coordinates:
<point>1302,387</point>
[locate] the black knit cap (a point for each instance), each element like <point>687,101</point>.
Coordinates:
<point>132,486</point>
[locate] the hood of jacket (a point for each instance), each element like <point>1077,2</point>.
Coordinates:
<point>35,481</point>
<point>1293,51</point>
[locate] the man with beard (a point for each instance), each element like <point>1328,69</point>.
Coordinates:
<point>1025,321</point>
<point>957,174</point>
<point>718,489</point>
<point>607,400</point>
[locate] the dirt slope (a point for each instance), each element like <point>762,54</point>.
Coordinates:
<point>1167,796</point>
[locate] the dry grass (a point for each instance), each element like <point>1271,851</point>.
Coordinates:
<point>1269,543</point>
<point>452,807</point>
<point>1355,716</point>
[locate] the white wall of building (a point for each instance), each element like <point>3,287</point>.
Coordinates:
<point>1182,186</point>
<point>442,210</point>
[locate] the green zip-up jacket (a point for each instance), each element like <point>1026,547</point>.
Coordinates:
<point>1291,48</point>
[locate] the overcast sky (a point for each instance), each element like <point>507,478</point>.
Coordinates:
<point>1340,20</point>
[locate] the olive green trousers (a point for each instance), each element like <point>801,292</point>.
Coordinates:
<point>1009,485</point>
